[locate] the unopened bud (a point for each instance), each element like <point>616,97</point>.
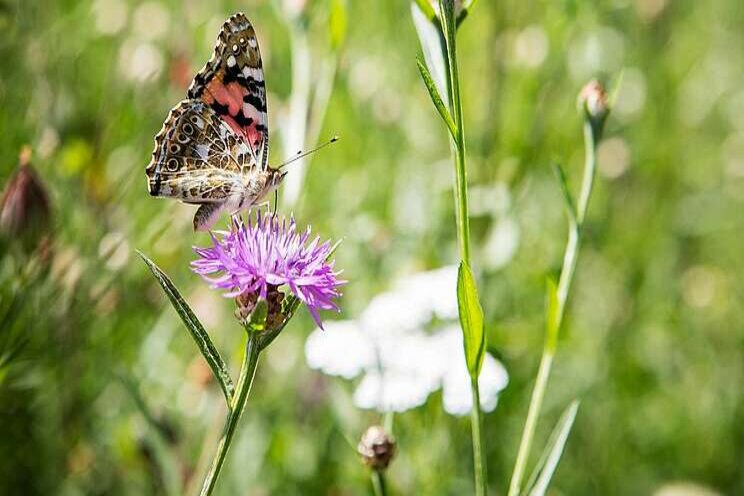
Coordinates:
<point>25,214</point>
<point>377,448</point>
<point>594,102</point>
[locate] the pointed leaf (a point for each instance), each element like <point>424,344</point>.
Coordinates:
<point>432,45</point>
<point>437,99</point>
<point>545,468</point>
<point>200,336</point>
<point>567,198</point>
<point>471,320</point>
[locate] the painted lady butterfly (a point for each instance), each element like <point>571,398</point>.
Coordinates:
<point>213,147</point>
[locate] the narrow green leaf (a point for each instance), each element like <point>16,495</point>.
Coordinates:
<point>437,99</point>
<point>433,46</point>
<point>427,9</point>
<point>471,320</point>
<point>200,336</point>
<point>553,319</point>
<point>563,183</point>
<point>545,468</point>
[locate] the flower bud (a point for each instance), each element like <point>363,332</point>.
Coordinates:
<point>593,101</point>
<point>25,214</point>
<point>377,448</point>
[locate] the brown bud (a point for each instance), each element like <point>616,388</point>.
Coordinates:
<point>377,448</point>
<point>593,100</point>
<point>25,214</point>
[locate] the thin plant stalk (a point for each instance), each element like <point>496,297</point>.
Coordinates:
<point>575,230</point>
<point>463,221</point>
<point>235,410</point>
<point>378,482</point>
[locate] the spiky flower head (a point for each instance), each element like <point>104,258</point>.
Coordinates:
<point>257,257</point>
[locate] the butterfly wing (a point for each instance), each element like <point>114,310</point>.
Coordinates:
<point>197,156</point>
<point>232,84</point>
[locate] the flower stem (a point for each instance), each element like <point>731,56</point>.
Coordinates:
<point>575,229</point>
<point>479,467</point>
<point>463,222</point>
<point>378,482</point>
<point>235,410</point>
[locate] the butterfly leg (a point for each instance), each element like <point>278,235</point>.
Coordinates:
<point>206,215</point>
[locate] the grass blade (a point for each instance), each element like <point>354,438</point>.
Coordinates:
<point>545,468</point>
<point>200,336</point>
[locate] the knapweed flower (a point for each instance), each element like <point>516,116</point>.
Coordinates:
<point>258,257</point>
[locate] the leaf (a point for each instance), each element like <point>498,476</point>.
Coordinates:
<point>436,98</point>
<point>471,320</point>
<point>200,336</point>
<point>427,9</point>
<point>553,320</point>
<point>567,198</point>
<point>432,45</point>
<point>545,468</point>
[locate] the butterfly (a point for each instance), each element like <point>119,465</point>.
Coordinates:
<point>213,148</point>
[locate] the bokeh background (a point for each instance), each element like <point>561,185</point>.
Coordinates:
<point>102,390</point>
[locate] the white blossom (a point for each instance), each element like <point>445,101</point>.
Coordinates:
<point>399,362</point>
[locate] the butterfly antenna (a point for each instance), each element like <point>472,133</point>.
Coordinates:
<point>301,154</point>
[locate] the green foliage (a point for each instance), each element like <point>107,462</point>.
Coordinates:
<point>199,335</point>
<point>652,336</point>
<point>471,320</point>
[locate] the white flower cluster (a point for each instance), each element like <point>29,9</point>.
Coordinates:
<point>401,363</point>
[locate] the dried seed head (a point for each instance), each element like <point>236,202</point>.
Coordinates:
<point>594,102</point>
<point>25,214</point>
<point>377,448</point>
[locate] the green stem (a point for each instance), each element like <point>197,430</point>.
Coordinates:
<point>575,229</point>
<point>479,467</point>
<point>463,223</point>
<point>378,483</point>
<point>235,410</point>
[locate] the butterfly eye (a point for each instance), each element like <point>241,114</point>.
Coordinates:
<point>172,164</point>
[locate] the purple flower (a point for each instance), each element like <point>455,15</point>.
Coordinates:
<point>253,257</point>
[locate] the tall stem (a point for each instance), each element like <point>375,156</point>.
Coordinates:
<point>378,483</point>
<point>235,410</point>
<point>591,139</point>
<point>463,221</point>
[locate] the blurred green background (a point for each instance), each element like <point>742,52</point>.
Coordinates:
<point>102,390</point>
